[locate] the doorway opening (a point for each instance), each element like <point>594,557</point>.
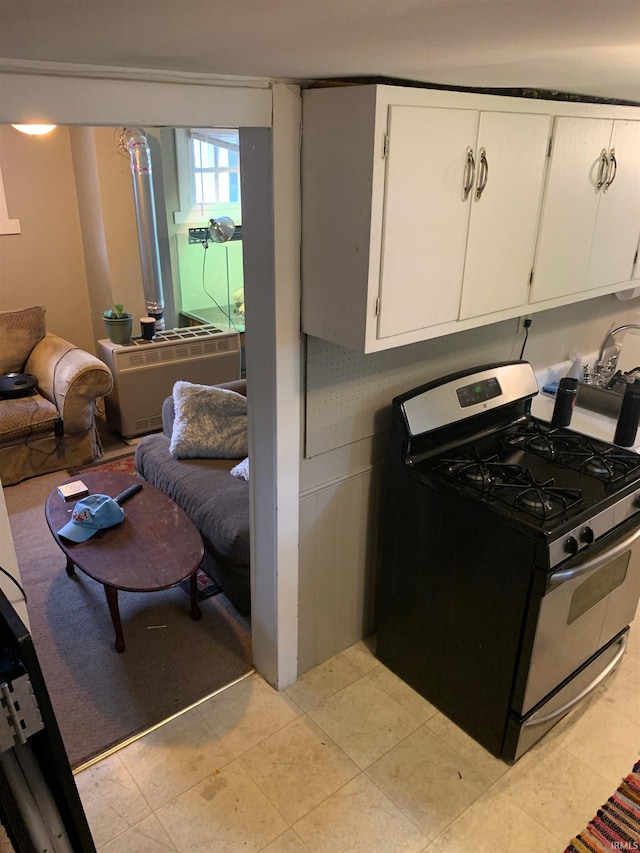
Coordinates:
<point>98,230</point>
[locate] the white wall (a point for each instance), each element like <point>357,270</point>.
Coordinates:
<point>108,224</point>
<point>77,252</point>
<point>44,264</point>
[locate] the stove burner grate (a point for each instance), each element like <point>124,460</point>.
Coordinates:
<point>513,485</point>
<point>575,451</point>
<point>541,499</point>
<point>481,473</point>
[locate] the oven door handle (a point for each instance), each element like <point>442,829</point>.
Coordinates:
<point>562,710</point>
<point>568,574</point>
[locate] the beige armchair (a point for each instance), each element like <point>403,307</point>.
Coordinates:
<point>53,428</point>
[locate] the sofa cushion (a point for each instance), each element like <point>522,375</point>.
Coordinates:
<point>20,331</point>
<point>26,416</point>
<point>216,502</point>
<point>241,470</point>
<point>210,422</point>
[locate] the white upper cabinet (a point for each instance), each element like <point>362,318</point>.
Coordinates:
<point>591,211</point>
<point>461,206</point>
<point>512,151</point>
<point>617,231</point>
<point>425,218</point>
<point>427,212</point>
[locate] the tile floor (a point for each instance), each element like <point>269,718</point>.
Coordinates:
<point>351,759</point>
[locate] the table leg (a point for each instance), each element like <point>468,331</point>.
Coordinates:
<point>193,588</point>
<point>70,568</point>
<point>112,600</point>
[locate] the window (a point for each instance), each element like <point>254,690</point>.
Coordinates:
<point>208,162</point>
<point>216,166</point>
<point>209,282</point>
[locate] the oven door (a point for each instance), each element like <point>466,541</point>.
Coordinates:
<point>586,603</point>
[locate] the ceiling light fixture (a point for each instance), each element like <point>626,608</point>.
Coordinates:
<point>34,129</point>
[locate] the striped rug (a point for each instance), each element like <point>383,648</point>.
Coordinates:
<point>616,826</point>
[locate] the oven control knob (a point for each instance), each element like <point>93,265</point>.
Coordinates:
<point>571,545</point>
<point>587,536</point>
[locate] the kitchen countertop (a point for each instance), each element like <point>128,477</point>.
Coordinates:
<point>585,421</point>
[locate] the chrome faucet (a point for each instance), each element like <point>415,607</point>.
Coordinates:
<point>611,365</point>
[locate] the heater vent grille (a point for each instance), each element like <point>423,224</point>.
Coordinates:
<point>148,424</point>
<point>171,347</point>
<point>144,372</point>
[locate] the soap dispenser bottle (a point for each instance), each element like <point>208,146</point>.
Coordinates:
<point>629,417</point>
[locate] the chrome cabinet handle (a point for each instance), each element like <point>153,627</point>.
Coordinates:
<point>483,174</point>
<point>469,174</point>
<point>612,170</point>
<point>603,170</point>
<point>568,574</point>
<point>562,710</point>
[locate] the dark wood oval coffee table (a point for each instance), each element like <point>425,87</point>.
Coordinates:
<point>157,546</point>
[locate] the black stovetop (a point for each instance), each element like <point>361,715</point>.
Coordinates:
<point>539,475</point>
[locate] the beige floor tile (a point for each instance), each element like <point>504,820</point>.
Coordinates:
<point>428,781</point>
<point>247,713</point>
<point>485,763</point>
<point>298,767</point>
<point>633,642</point>
<point>323,681</point>
<point>494,824</point>
<point>359,819</point>
<point>111,799</point>
<point>146,837</point>
<point>174,758</point>
<point>604,740</point>
<point>364,721</point>
<point>557,790</point>
<point>623,688</point>
<point>289,842</point>
<point>362,655</point>
<point>406,696</point>
<point>226,813</point>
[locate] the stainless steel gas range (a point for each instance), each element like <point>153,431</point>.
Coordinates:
<point>510,565</point>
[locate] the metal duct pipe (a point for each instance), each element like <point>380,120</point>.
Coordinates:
<point>135,142</point>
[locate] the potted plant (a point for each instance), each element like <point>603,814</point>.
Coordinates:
<point>118,324</point>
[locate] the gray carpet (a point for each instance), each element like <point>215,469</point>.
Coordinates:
<point>101,697</point>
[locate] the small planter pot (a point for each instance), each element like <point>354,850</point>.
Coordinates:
<point>119,328</point>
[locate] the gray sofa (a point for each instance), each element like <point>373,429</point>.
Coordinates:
<point>216,502</point>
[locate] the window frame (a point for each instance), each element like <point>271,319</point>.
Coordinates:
<point>191,211</point>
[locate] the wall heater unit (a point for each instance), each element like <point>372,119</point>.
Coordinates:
<point>144,372</point>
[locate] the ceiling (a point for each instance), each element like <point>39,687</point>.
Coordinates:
<point>587,47</point>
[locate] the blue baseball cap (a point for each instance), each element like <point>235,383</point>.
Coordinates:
<point>89,515</point>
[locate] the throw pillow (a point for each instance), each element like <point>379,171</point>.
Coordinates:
<point>241,470</point>
<point>20,331</point>
<point>210,422</point>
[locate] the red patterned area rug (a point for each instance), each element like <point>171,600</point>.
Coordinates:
<point>616,826</point>
<point>206,586</point>
<point>123,464</point>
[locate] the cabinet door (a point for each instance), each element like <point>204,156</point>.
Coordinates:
<point>425,217</point>
<point>504,219</point>
<point>570,207</point>
<point>617,231</point>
